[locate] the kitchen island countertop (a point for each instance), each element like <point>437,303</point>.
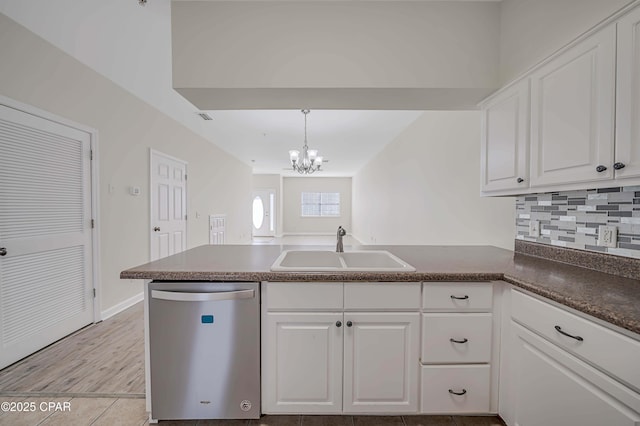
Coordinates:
<point>611,298</point>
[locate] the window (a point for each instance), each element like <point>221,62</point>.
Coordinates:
<point>320,204</point>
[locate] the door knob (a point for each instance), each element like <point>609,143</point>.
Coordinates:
<point>349,323</point>
<point>3,251</point>
<point>618,166</point>
<point>157,228</point>
<point>338,324</point>
<point>600,169</point>
<point>520,180</point>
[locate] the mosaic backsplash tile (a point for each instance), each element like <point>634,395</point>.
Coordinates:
<point>571,218</point>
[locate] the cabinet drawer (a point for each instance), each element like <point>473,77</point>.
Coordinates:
<point>385,296</point>
<point>457,296</point>
<point>303,295</point>
<point>456,338</point>
<point>473,381</point>
<point>606,349</point>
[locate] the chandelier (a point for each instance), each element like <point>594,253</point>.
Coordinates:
<point>309,162</point>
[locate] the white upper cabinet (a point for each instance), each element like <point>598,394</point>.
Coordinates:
<point>627,158</point>
<point>573,122</point>
<point>572,113</point>
<point>505,140</point>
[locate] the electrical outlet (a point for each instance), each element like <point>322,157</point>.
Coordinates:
<point>607,236</point>
<point>534,228</point>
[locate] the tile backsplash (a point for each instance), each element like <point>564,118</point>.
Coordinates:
<point>571,218</point>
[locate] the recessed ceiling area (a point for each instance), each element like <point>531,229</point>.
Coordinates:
<point>348,139</point>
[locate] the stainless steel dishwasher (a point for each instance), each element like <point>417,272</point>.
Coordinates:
<point>204,340</point>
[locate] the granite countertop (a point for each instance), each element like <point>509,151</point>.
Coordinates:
<point>609,297</point>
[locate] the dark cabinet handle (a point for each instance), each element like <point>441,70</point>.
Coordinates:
<point>618,166</point>
<point>338,324</point>
<point>3,251</point>
<point>457,393</point>
<point>349,323</point>
<point>465,340</point>
<point>465,297</point>
<point>520,180</point>
<point>559,330</point>
<point>157,228</point>
<point>600,168</point>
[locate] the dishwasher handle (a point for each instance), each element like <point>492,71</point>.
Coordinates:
<point>202,297</point>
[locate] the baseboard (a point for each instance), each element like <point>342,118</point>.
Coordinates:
<point>307,234</point>
<point>108,313</point>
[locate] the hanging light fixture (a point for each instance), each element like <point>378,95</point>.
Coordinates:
<point>309,162</point>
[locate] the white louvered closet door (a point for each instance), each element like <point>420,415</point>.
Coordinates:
<point>46,289</point>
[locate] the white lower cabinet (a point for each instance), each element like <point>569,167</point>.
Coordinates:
<point>316,362</point>
<point>303,362</point>
<point>456,388</point>
<point>544,383</point>
<point>457,348</point>
<point>381,362</point>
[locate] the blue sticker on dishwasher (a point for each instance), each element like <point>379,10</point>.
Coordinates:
<point>207,319</point>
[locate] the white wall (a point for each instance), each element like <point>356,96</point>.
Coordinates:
<point>292,189</point>
<point>36,73</point>
<point>127,43</point>
<point>271,181</point>
<point>424,188</point>
<point>532,30</point>
<point>279,48</point>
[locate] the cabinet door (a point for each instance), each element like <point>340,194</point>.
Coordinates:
<point>549,392</point>
<point>302,363</point>
<point>572,113</point>
<point>505,140</point>
<point>628,97</point>
<point>381,362</point>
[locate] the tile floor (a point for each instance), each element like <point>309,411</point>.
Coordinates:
<point>52,411</point>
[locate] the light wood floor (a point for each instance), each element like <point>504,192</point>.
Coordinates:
<point>104,359</point>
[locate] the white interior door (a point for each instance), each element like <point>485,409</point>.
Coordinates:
<point>263,213</point>
<point>168,205</point>
<point>46,285</point>
<point>217,228</point>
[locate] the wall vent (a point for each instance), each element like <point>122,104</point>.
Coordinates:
<point>205,116</point>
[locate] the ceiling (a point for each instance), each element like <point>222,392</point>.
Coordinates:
<point>348,139</point>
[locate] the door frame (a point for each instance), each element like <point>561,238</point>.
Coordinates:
<point>95,189</point>
<point>153,151</point>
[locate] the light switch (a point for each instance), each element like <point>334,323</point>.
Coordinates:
<point>534,228</point>
<point>134,190</point>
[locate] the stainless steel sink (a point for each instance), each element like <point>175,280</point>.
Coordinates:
<point>329,261</point>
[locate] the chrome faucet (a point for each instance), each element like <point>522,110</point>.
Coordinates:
<point>341,233</point>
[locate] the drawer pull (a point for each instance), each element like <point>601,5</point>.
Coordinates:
<point>457,393</point>
<point>465,297</point>
<point>465,340</point>
<point>559,330</point>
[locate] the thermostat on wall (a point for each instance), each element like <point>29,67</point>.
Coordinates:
<point>134,190</point>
